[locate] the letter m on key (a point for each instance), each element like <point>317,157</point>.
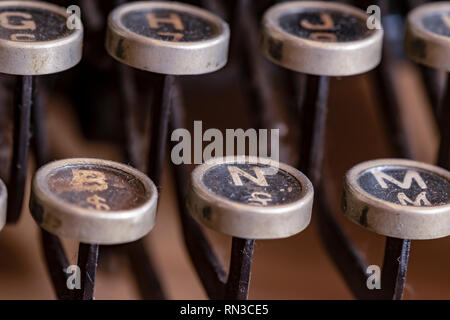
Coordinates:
<point>410,176</point>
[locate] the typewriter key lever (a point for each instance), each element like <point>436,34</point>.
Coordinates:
<point>320,39</point>
<point>400,199</point>
<point>427,39</point>
<point>94,202</point>
<point>34,40</point>
<point>249,198</point>
<point>427,42</point>
<point>169,39</point>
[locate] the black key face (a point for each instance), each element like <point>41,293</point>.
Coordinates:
<point>97,187</point>
<point>31,24</point>
<point>438,23</point>
<point>406,186</point>
<point>169,25</point>
<point>325,25</point>
<point>253,184</point>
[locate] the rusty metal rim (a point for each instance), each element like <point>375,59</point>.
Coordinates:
<point>415,22</point>
<point>88,225</point>
<point>245,221</point>
<point>271,16</point>
<point>198,185</point>
<point>354,173</point>
<point>40,188</point>
<point>73,37</point>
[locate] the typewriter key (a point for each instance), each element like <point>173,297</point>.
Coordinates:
<point>402,199</point>
<point>3,201</point>
<point>93,201</point>
<point>167,38</point>
<point>427,38</point>
<point>321,38</point>
<point>35,39</point>
<point>251,198</point>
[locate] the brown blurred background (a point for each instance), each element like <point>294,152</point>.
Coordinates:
<point>295,268</point>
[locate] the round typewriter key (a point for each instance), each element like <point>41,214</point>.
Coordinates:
<point>35,39</point>
<point>251,198</point>
<point>3,202</point>
<point>321,38</point>
<point>167,38</point>
<point>399,198</point>
<point>93,201</point>
<point>427,38</point>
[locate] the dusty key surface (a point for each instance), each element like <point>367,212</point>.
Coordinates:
<point>168,38</point>
<point>251,198</point>
<point>3,202</point>
<point>93,201</point>
<point>320,38</point>
<point>35,38</point>
<point>427,38</point>
<point>399,198</point>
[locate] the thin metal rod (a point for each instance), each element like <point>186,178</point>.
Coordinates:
<point>434,88</point>
<point>159,128</point>
<point>39,127</point>
<point>57,264</point>
<point>340,248</point>
<point>254,63</point>
<point>385,79</point>
<point>313,110</point>
<point>139,258</point>
<point>144,271</point>
<point>19,168</point>
<point>134,139</point>
<point>55,256</point>
<point>396,254</point>
<point>240,269</point>
<point>334,238</point>
<point>265,100</point>
<point>313,141</point>
<point>444,152</point>
<point>141,262</point>
<point>313,113</point>
<point>395,266</point>
<point>87,262</point>
<point>211,273</point>
<point>268,115</point>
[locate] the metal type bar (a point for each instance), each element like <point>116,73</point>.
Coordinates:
<point>212,275</point>
<point>240,269</point>
<point>22,132</point>
<point>141,261</point>
<point>57,264</point>
<point>87,262</point>
<point>395,266</point>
